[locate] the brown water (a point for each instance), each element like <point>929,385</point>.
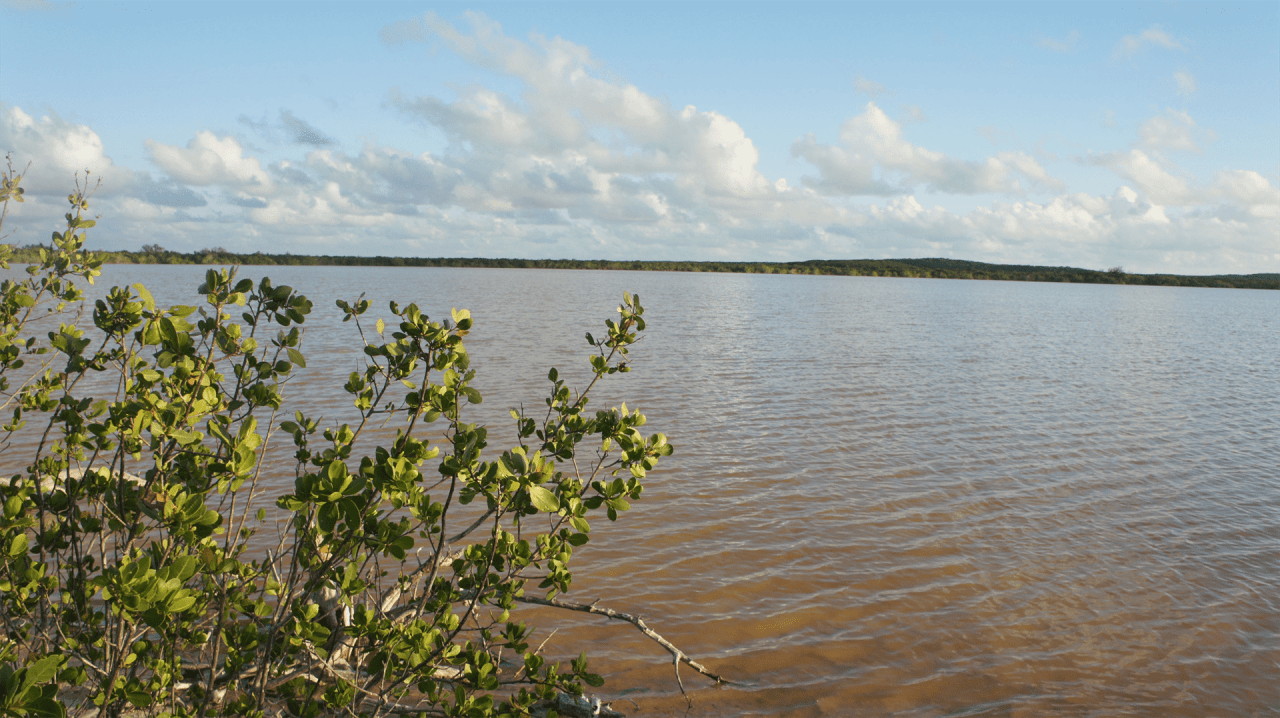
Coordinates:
<point>901,497</point>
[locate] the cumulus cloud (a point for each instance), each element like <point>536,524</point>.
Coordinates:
<point>572,134</point>
<point>210,160</point>
<point>57,148</point>
<point>1241,194</point>
<point>1131,45</point>
<point>1250,190</point>
<point>1159,184</point>
<point>1173,130</point>
<point>1066,44</point>
<point>1186,83</point>
<point>873,158</point>
<point>570,161</point>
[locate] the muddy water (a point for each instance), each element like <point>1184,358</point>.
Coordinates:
<point>902,497</point>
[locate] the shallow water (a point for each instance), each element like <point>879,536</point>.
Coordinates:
<point>899,497</point>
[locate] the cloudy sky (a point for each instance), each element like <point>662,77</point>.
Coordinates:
<point>1084,134</point>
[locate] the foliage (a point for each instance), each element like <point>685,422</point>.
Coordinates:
<point>127,582</point>
<point>931,268</point>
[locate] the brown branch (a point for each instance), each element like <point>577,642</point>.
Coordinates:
<point>677,655</point>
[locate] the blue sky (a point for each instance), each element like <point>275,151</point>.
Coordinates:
<point>1085,134</point>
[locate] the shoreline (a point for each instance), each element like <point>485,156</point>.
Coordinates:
<point>930,268</point>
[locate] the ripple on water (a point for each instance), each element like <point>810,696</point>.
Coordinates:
<point>904,497</point>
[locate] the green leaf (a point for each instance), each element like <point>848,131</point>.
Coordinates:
<point>295,356</point>
<point>42,671</point>
<point>379,326</point>
<point>145,296</point>
<point>544,500</point>
<point>18,546</point>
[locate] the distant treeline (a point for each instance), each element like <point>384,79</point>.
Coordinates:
<point>925,268</point>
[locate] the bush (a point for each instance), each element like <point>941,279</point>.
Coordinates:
<point>126,578</point>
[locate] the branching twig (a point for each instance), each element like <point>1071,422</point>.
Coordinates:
<point>677,655</point>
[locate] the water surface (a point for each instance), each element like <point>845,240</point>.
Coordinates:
<point>897,497</point>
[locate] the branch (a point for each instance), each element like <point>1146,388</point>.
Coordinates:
<point>677,655</point>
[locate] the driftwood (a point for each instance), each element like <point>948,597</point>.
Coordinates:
<point>576,707</point>
<point>677,656</point>
<point>49,483</point>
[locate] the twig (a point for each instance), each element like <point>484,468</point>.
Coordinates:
<point>536,652</point>
<point>677,655</point>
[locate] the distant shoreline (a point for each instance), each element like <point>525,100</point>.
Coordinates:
<point>923,268</point>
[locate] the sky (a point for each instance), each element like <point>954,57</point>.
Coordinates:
<point>1141,135</point>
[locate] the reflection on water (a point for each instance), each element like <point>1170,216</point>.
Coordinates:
<point>902,497</point>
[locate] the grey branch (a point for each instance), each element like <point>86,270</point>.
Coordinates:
<point>678,656</point>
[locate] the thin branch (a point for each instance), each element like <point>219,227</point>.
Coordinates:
<point>678,656</point>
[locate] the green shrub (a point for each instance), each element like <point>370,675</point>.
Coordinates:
<point>126,581</point>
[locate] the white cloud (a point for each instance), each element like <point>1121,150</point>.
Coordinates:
<point>572,162</point>
<point>874,159</point>
<point>1067,44</point>
<point>1240,194</point>
<point>1186,83</point>
<point>869,87</point>
<point>57,150</point>
<point>1153,180</point>
<point>211,160</point>
<point>572,132</point>
<point>1249,190</point>
<point>1174,130</point>
<point>1130,45</point>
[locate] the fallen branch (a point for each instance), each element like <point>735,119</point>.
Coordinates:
<point>677,655</point>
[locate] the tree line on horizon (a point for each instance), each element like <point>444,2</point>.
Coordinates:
<point>928,268</point>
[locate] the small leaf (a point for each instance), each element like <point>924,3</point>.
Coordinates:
<point>42,671</point>
<point>18,546</point>
<point>295,356</point>
<point>379,326</point>
<point>145,296</point>
<point>544,500</point>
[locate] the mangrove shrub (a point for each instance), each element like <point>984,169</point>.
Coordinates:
<point>128,584</point>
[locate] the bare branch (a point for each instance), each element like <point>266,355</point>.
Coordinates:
<point>678,655</point>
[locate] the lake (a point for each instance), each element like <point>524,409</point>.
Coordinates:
<point>896,497</point>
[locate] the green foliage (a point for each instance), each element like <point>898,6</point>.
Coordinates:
<point>930,268</point>
<point>127,581</point>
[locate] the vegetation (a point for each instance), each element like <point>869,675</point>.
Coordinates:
<point>923,268</point>
<point>127,581</point>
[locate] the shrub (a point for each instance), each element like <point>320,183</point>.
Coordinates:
<point>126,578</point>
